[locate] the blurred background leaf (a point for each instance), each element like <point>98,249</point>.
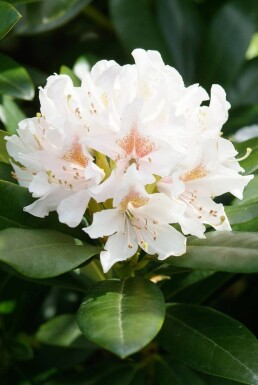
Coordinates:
<point>8,18</point>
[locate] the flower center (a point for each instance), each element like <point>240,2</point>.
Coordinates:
<point>136,145</point>
<point>75,155</point>
<point>135,199</point>
<point>196,173</point>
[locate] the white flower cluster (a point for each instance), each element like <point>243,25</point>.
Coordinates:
<point>138,147</point>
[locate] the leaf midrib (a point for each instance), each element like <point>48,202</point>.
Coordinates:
<point>40,246</point>
<point>214,343</point>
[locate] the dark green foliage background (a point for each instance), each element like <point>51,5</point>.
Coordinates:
<point>207,41</point>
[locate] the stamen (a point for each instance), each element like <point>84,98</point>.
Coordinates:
<point>248,152</point>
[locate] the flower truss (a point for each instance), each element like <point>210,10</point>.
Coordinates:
<point>136,149</point>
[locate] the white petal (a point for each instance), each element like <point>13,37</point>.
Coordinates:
<point>40,185</point>
<point>167,242</point>
<point>217,113</point>
<point>105,222</point>
<point>161,209</point>
<point>92,171</point>
<point>71,209</point>
<point>192,226</point>
<point>117,249</point>
<point>193,97</point>
<point>42,206</point>
<point>106,189</point>
<point>101,67</point>
<point>217,184</point>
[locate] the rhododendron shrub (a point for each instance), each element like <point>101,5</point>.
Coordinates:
<point>137,136</point>
<point>128,215</point>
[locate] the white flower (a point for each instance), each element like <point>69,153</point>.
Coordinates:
<point>137,141</point>
<point>210,170</point>
<point>138,219</point>
<point>56,168</point>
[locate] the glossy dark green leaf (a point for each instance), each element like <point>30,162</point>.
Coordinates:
<point>122,316</point>
<point>42,253</point>
<point>63,331</point>
<point>136,26</point>
<point>10,114</point>
<point>8,17</point>
<point>212,380</point>
<point>211,342</point>
<point>14,198</point>
<point>14,79</point>
<point>5,173</point>
<point>70,281</point>
<point>243,217</point>
<point>180,24</point>
<point>194,286</point>
<point>221,59</point>
<point>235,252</point>
<point>47,15</point>
<point>4,156</point>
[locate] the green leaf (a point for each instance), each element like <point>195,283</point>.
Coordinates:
<point>180,24</point>
<point>194,286</point>
<point>235,252</point>
<point>4,156</point>
<point>212,380</point>
<point>42,253</point>
<point>14,198</point>
<point>47,15</point>
<point>63,331</point>
<point>10,114</point>
<point>5,173</point>
<point>221,60</point>
<point>122,316</point>
<point>14,79</point>
<point>170,372</point>
<point>243,217</point>
<point>8,18</point>
<point>136,26</point>
<point>211,342</point>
